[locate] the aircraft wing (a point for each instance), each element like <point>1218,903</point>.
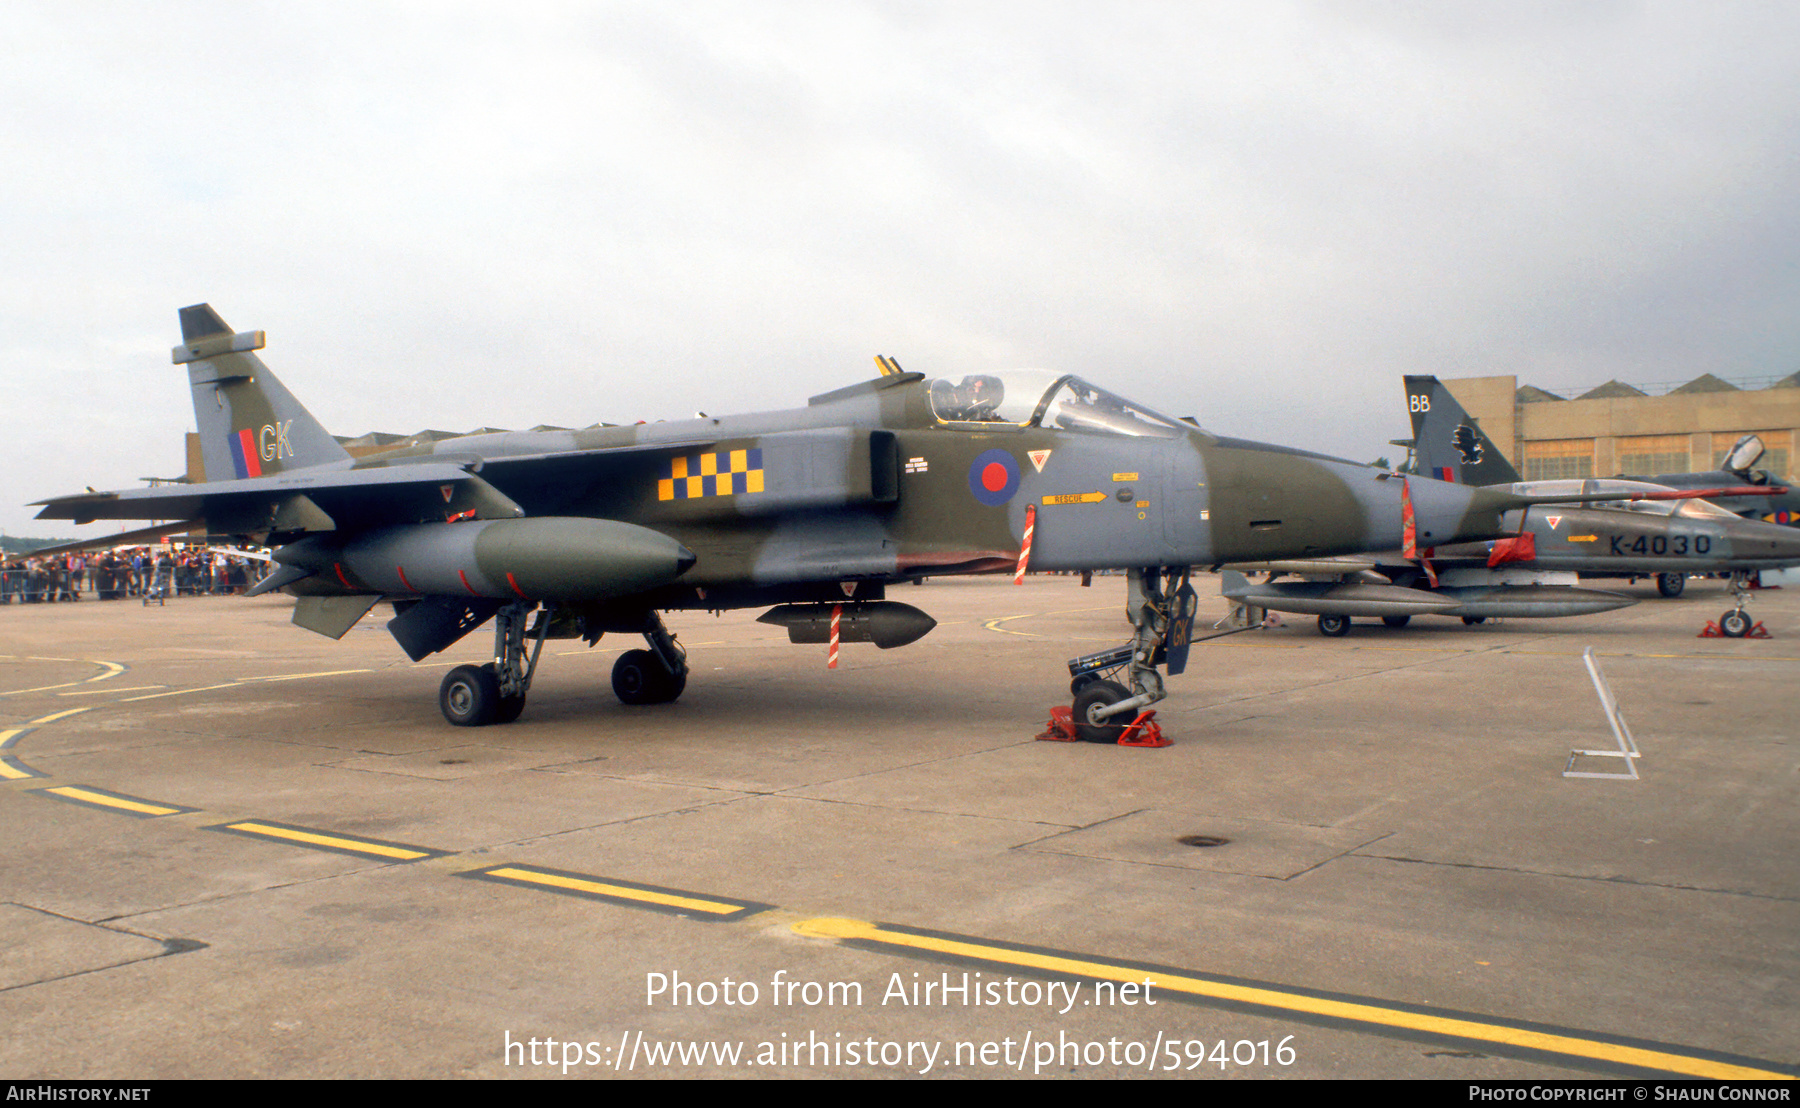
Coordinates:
<point>321,499</point>
<point>326,498</point>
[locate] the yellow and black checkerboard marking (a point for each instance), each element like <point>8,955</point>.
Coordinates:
<point>109,801</point>
<point>716,473</point>
<point>270,831</point>
<point>704,906</point>
<point>1588,1049</point>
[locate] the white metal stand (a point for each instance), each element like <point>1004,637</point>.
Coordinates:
<point>1610,705</point>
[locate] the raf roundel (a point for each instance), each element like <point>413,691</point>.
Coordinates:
<point>994,477</point>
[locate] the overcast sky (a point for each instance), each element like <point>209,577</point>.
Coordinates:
<point>448,215</point>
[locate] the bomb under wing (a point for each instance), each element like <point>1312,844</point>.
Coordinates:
<point>885,623</point>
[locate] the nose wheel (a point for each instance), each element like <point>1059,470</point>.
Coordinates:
<point>1736,624</point>
<point>1113,689</point>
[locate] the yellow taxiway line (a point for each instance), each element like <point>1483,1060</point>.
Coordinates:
<point>1364,1012</point>
<point>101,798</point>
<point>325,840</point>
<point>610,889</point>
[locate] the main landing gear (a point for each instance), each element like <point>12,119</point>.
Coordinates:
<point>1113,689</point>
<point>474,696</point>
<point>654,676</point>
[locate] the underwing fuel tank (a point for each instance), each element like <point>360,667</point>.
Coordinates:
<point>886,623</point>
<point>1532,601</point>
<point>1332,598</point>
<point>1321,598</point>
<point>553,558</point>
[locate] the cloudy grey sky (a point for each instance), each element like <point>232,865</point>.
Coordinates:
<point>448,214</point>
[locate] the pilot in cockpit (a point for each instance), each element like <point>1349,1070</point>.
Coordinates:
<point>975,400</point>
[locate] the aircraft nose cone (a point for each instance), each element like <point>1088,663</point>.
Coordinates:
<point>1787,547</point>
<point>1767,542</point>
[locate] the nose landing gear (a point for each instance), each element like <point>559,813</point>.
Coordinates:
<point>1736,624</point>
<point>1113,689</point>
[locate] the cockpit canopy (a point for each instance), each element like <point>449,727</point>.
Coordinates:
<point>1037,398</point>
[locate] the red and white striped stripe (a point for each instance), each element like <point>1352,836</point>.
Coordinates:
<point>1025,546</point>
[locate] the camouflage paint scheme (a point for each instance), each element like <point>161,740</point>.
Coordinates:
<point>891,479</point>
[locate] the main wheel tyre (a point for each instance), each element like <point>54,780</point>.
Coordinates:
<point>1671,584</point>
<point>1082,682</point>
<point>469,696</point>
<point>1396,621</point>
<point>1474,621</point>
<point>1095,695</point>
<point>1734,624</point>
<point>639,678</point>
<point>1335,627</point>
<point>635,677</point>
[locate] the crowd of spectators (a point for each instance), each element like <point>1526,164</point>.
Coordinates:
<point>124,573</point>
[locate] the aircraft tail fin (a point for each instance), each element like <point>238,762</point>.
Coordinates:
<point>1449,444</point>
<point>250,425</point>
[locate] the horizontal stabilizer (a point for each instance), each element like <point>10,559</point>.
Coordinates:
<point>140,537</point>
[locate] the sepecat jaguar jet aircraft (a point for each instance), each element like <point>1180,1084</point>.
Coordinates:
<point>810,512</point>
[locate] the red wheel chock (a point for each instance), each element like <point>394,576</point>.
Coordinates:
<point>1712,631</point>
<point>1142,732</point>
